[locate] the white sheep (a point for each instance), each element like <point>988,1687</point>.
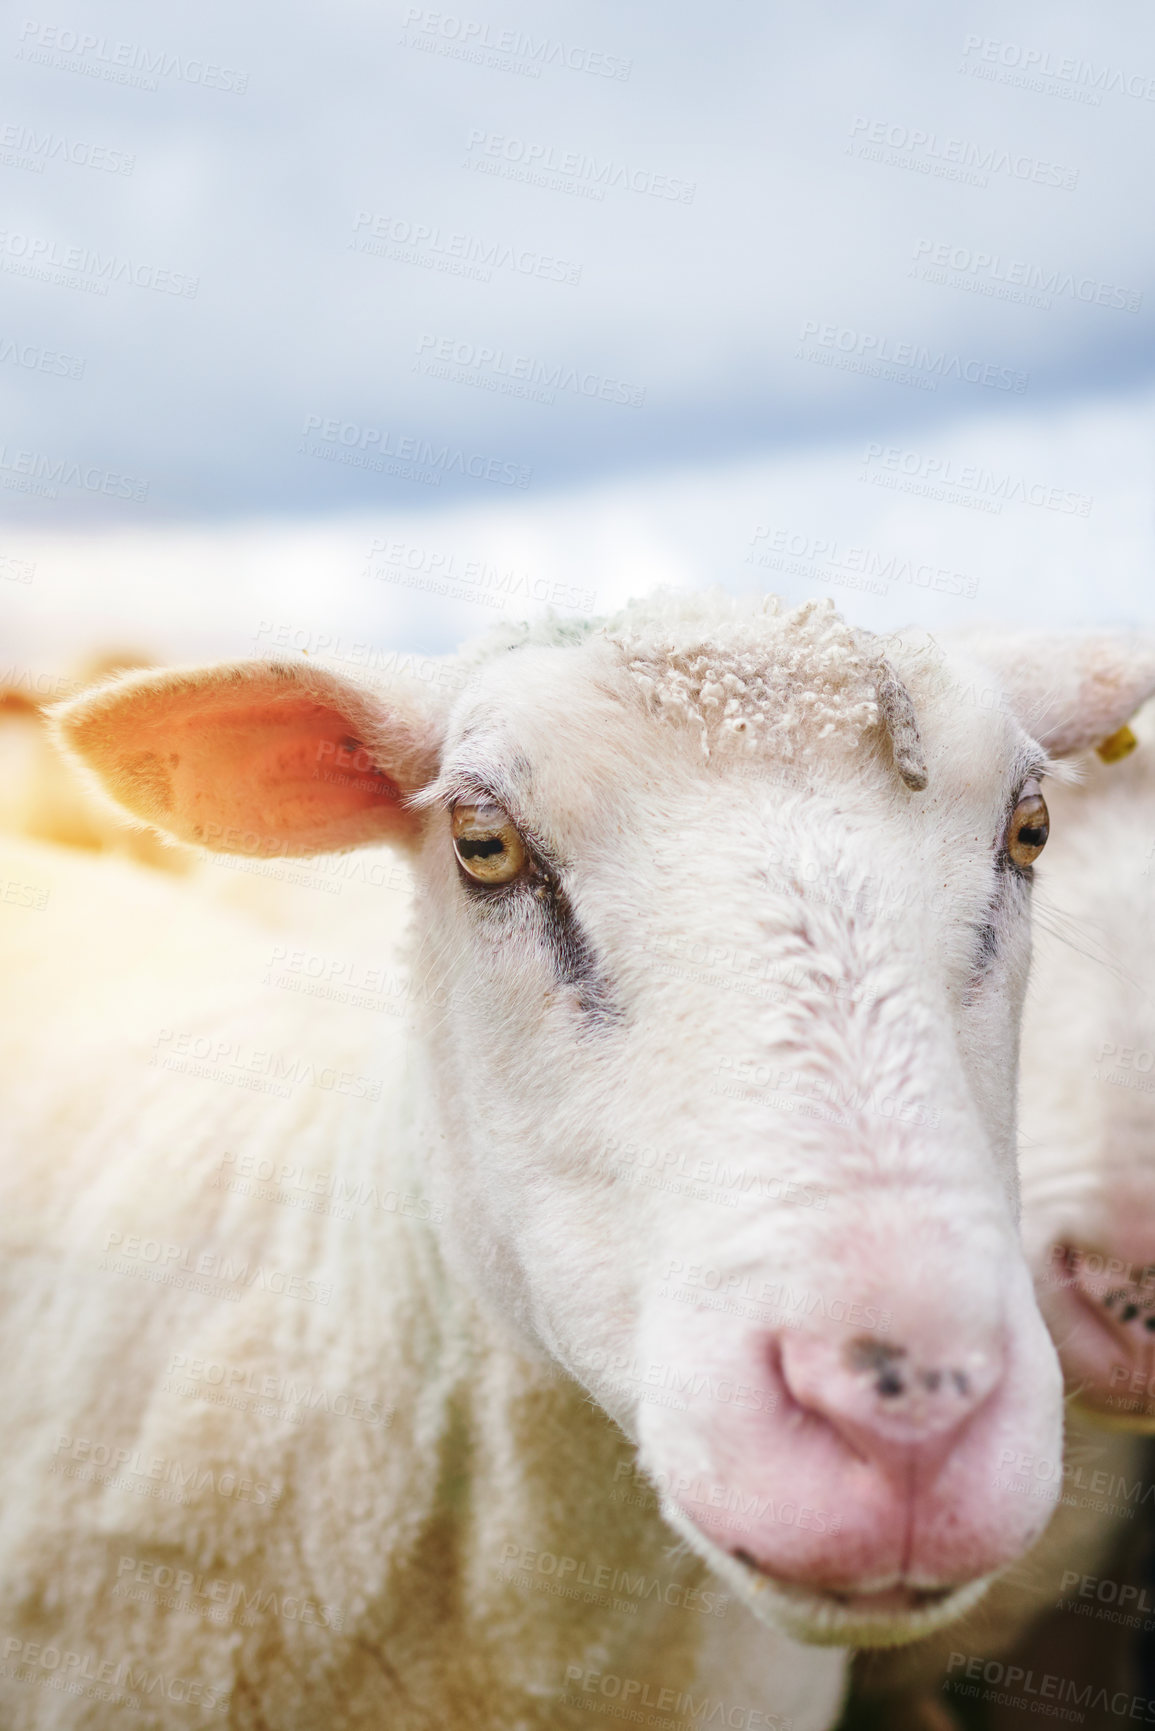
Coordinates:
<point>1087,1114</point>
<point>740,886</point>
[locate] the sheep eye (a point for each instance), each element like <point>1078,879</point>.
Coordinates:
<point>487,844</point>
<point>1029,826</point>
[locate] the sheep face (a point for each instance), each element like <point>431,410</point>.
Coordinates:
<point>726,1098</point>
<point>727,917</point>
<point>1089,1089</point>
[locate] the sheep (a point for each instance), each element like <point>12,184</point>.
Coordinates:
<point>735,883</point>
<point>1088,1183</point>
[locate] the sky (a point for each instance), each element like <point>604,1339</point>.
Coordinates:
<point>588,293</point>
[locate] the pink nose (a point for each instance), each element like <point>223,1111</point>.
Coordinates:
<point>893,1405</point>
<point>863,1460</point>
<point>1109,1343</point>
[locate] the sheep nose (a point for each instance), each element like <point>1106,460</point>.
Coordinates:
<point>890,1400</point>
<point>1102,1311</point>
<point>1122,1296</point>
<point>1119,1293</point>
<point>1130,1312</point>
<point>860,1457</point>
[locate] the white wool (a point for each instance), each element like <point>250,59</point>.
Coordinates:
<point>743,672</point>
<point>501,1320</point>
<point>360,1478</point>
<point>756,678</point>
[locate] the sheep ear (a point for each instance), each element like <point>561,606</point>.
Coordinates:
<point>254,757</point>
<point>1070,690</point>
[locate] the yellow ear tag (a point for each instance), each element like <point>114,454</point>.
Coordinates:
<point>1116,745</point>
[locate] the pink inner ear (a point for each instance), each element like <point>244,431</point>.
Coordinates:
<point>286,776</point>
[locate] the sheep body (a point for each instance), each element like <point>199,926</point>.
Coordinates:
<point>354,1525</point>
<point>392,1572</point>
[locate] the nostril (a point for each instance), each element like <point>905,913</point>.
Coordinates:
<point>1120,1296</point>
<point>880,1361</point>
<point>889,1368</point>
<point>883,1397</point>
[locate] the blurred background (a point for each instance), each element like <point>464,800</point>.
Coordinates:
<point>352,330</point>
<point>357,328</point>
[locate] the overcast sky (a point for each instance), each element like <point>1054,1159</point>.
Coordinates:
<point>305,260</point>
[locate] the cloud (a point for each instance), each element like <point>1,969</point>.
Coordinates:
<point>365,258</point>
<point>1025,517</point>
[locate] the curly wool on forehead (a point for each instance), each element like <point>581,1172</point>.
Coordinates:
<point>753,676</point>
<point>747,674</point>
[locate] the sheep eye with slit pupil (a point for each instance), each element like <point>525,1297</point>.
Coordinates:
<point>487,843</point>
<point>1029,828</point>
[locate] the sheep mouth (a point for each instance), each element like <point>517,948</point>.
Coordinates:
<point>894,1599</point>
<point>899,1598</point>
<point>892,1616</point>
